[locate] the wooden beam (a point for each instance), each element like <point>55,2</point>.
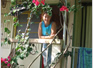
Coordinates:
<point>39,41</point>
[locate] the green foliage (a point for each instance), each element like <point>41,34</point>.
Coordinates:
<point>16,24</point>
<point>17,53</point>
<point>7,30</point>
<point>6,14</point>
<point>23,49</point>
<point>14,19</point>
<point>17,37</point>
<point>5,21</point>
<point>6,39</point>
<point>13,2</point>
<point>29,49</point>
<point>27,54</point>
<point>47,8</point>
<point>73,7</point>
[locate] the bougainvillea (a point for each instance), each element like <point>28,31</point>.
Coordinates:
<point>6,61</point>
<point>36,2</point>
<point>64,8</point>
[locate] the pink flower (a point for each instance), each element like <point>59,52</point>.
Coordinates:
<point>2,60</point>
<point>33,1</point>
<point>63,8</point>
<point>67,10</point>
<point>9,57</point>
<point>43,2</point>
<point>5,59</point>
<point>8,64</point>
<point>37,3</point>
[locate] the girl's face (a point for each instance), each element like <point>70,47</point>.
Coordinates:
<point>46,18</point>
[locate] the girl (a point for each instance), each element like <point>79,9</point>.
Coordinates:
<point>46,30</point>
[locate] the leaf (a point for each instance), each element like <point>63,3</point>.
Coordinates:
<point>13,2</point>
<point>17,48</point>
<point>5,21</point>
<point>6,14</point>
<point>17,53</point>
<point>29,29</point>
<point>19,31</point>
<point>16,24</point>
<point>1,43</point>
<point>27,34</point>
<point>7,30</point>
<point>31,22</point>
<point>14,10</point>
<point>29,49</point>
<point>22,56</point>
<point>6,39</point>
<point>14,19</point>
<point>8,20</point>
<point>27,54</point>
<point>17,37</point>
<point>21,25</point>
<point>26,38</point>
<point>68,5</point>
<point>15,60</point>
<point>12,62</point>
<point>50,14</point>
<point>22,48</point>
<point>9,42</point>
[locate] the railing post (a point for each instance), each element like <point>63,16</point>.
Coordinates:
<point>64,29</point>
<point>73,57</point>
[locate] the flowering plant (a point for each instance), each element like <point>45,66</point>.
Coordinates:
<point>23,50</point>
<point>34,6</point>
<point>38,6</point>
<point>6,61</point>
<point>37,2</point>
<point>64,8</point>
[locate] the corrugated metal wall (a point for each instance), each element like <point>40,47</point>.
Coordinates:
<point>88,41</point>
<point>82,28</point>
